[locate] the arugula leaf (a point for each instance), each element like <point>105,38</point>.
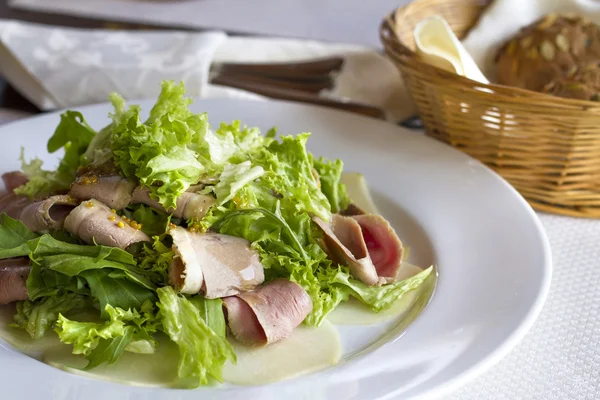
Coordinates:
<point>211,311</point>
<point>74,135</point>
<point>285,229</point>
<point>115,290</point>
<point>202,352</point>
<point>44,282</point>
<point>109,350</point>
<point>13,233</point>
<point>17,240</point>
<point>74,264</point>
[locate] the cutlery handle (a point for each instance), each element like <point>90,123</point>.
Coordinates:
<point>310,85</point>
<point>303,97</point>
<point>322,67</point>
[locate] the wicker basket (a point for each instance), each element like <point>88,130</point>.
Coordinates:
<point>547,147</point>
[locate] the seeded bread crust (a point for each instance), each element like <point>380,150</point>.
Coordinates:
<point>547,50</point>
<point>581,83</point>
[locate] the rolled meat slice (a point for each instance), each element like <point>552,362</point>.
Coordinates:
<point>94,222</point>
<point>216,265</point>
<point>13,204</point>
<point>13,279</point>
<point>48,214</point>
<point>112,190</point>
<point>367,244</point>
<point>385,248</point>
<point>189,204</point>
<point>10,203</point>
<point>268,314</point>
<point>13,180</point>
<point>344,244</point>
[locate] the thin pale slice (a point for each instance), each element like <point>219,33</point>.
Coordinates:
<point>358,192</point>
<point>185,272</point>
<point>344,244</point>
<point>48,214</point>
<point>279,306</point>
<point>95,223</point>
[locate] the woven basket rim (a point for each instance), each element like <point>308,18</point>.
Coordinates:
<point>545,146</point>
<point>389,38</point>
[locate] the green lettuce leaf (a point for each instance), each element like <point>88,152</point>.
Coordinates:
<point>380,298</point>
<point>43,282</point>
<point>154,223</point>
<point>330,175</point>
<point>234,178</point>
<point>74,135</point>
<point>126,330</point>
<point>202,352</point>
<point>155,260</point>
<point>174,147</point>
<point>13,233</point>
<point>211,312</point>
<point>160,152</point>
<point>17,240</point>
<point>117,289</point>
<point>37,317</point>
<point>98,152</point>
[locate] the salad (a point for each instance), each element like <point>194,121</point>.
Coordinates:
<point>166,225</point>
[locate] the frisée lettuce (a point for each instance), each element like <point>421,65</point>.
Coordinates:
<point>105,301</point>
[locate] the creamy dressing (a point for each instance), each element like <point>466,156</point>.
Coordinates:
<point>306,350</point>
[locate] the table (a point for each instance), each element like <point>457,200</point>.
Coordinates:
<point>558,359</point>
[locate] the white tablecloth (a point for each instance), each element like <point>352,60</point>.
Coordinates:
<point>559,359</point>
<point>342,21</point>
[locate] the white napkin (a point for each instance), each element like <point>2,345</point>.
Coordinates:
<point>503,19</point>
<point>437,45</point>
<point>61,67</point>
<point>57,67</point>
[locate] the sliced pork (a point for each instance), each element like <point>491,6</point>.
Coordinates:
<point>13,279</point>
<point>112,190</point>
<point>13,204</point>
<point>10,203</point>
<point>214,264</point>
<point>48,214</point>
<point>95,223</point>
<point>268,314</point>
<point>385,248</point>
<point>366,243</point>
<point>189,205</point>
<point>13,180</point>
<point>344,244</point>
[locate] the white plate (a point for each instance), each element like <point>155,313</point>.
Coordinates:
<point>492,253</point>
